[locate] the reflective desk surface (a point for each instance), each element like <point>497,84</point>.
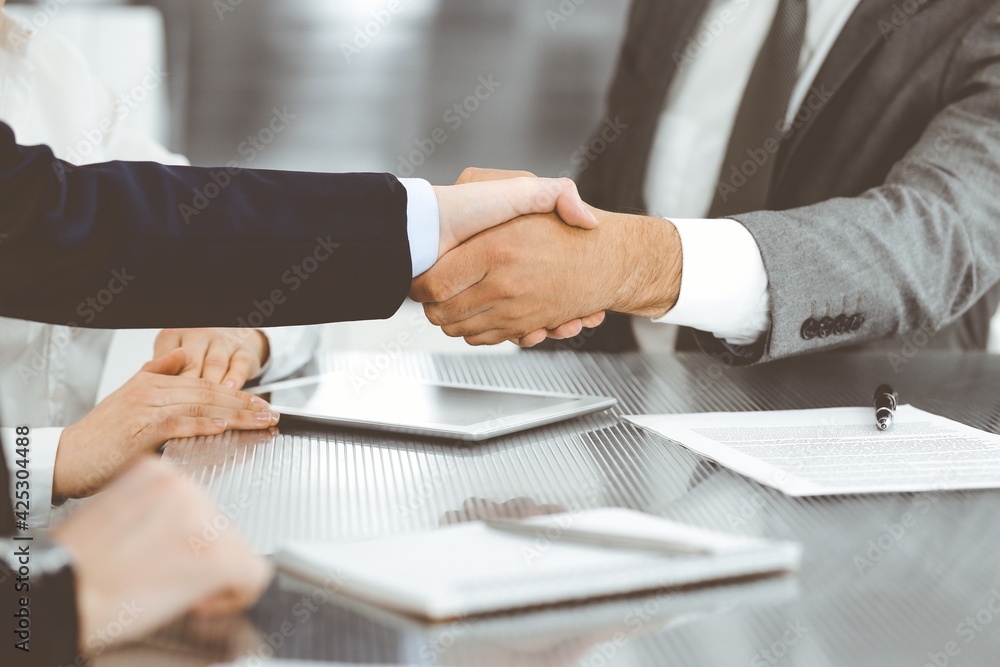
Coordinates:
<point>896,579</point>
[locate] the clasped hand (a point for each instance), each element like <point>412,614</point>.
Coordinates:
<point>548,275</point>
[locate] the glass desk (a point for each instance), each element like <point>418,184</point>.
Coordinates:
<point>872,590</point>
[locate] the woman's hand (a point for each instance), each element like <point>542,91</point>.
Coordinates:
<point>151,408</point>
<point>474,205</point>
<point>229,357</point>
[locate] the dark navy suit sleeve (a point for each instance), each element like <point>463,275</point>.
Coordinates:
<point>123,245</point>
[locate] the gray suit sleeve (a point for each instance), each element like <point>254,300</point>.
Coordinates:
<point>919,250</point>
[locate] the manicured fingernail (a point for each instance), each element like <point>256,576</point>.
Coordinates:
<point>592,216</point>
<point>263,417</point>
<point>257,400</point>
<point>219,423</point>
<point>275,417</point>
<point>230,384</point>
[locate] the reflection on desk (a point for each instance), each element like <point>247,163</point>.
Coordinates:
<point>873,590</point>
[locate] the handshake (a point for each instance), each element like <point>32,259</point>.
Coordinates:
<point>550,271</point>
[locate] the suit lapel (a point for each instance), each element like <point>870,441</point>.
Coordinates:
<point>658,55</point>
<point>861,36</point>
<point>658,33</point>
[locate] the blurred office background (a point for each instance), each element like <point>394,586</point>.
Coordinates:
<point>367,81</point>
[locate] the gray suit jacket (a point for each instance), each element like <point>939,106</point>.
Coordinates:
<point>886,196</point>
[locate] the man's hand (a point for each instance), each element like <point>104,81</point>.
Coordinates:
<point>142,557</point>
<point>567,330</point>
<point>470,208</point>
<point>228,357</point>
<point>154,406</point>
<point>537,273</point>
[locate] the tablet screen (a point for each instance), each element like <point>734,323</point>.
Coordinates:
<point>408,402</point>
<point>424,408</point>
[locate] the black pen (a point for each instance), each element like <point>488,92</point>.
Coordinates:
<point>886,401</point>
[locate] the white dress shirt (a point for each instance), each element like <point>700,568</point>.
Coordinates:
<point>724,282</point>
<point>49,375</point>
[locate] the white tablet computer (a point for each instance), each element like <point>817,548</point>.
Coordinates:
<point>401,405</point>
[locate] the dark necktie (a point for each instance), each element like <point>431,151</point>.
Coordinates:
<point>645,72</point>
<point>745,178</point>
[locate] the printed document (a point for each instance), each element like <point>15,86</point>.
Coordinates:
<point>835,451</point>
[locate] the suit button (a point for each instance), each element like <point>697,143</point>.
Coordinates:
<point>857,321</point>
<point>810,329</point>
<point>825,327</point>
<point>841,325</point>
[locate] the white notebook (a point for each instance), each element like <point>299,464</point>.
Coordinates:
<point>471,568</point>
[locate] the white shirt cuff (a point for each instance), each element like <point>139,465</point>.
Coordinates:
<point>423,224</point>
<point>723,282</point>
<point>291,348</point>
<point>44,442</point>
